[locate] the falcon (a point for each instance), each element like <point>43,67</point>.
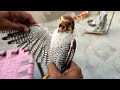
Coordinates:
<point>58,47</point>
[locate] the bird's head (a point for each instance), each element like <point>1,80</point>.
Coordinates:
<point>66,23</point>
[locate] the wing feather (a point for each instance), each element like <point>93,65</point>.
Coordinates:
<point>37,40</point>
<point>69,56</point>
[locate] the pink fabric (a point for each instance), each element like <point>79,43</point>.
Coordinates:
<point>13,65</point>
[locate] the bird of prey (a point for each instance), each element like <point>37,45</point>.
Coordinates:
<point>58,47</point>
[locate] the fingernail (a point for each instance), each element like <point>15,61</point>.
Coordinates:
<point>26,29</point>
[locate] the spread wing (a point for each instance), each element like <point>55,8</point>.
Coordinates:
<point>37,41</point>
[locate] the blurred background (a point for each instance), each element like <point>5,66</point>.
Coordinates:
<point>46,16</point>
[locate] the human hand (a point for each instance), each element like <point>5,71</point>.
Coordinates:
<point>18,20</point>
<point>74,72</point>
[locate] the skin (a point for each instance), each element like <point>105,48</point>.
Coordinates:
<point>74,72</point>
<point>18,20</point>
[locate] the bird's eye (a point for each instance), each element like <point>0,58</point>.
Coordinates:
<point>69,23</point>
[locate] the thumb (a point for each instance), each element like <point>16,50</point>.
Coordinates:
<point>18,26</point>
<point>53,71</point>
